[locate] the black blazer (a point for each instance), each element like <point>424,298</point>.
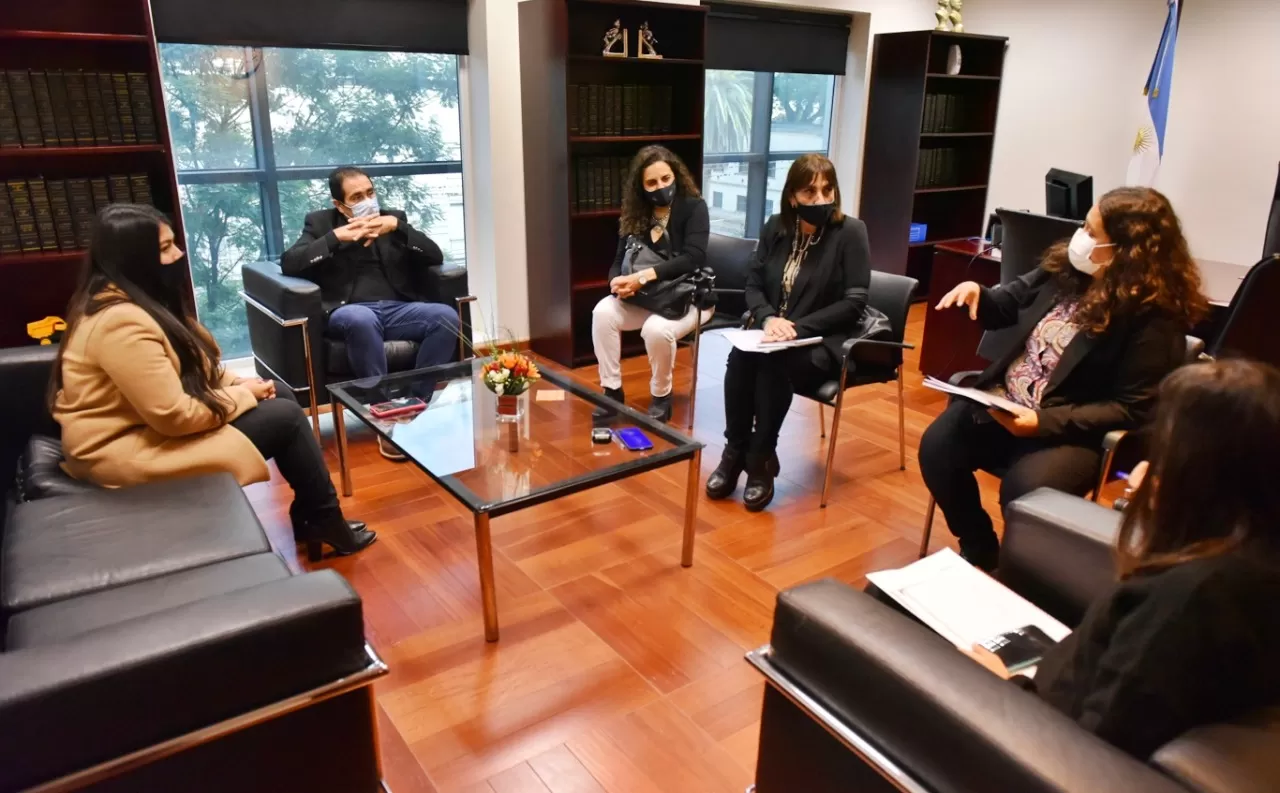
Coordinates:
<point>1104,382</point>
<point>1197,643</point>
<point>830,290</point>
<point>409,257</point>
<point>688,229</point>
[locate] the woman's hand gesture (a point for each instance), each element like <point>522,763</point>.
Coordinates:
<point>965,294</point>
<point>779,329</point>
<point>262,389</point>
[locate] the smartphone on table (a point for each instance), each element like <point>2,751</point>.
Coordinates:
<point>394,408</point>
<point>632,439</point>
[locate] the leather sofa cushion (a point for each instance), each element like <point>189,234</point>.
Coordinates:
<point>65,619</point>
<point>57,548</point>
<point>401,356</point>
<point>40,473</point>
<point>1239,757</point>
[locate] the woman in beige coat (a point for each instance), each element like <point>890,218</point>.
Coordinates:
<point>141,395</point>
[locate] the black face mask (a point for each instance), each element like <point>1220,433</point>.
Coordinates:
<point>815,214</point>
<point>663,196</point>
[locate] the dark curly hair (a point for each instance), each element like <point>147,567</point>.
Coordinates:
<point>637,214</point>
<point>1152,268</point>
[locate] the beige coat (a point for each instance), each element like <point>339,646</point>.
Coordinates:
<point>125,418</point>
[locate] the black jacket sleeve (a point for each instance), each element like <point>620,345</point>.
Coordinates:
<point>615,269</point>
<point>855,277</point>
<point>757,300</point>
<point>1153,350</point>
<point>422,249</point>
<point>998,307</point>
<point>693,251</point>
<point>314,246</point>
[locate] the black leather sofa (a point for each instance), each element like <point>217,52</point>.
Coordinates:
<point>864,698</point>
<point>152,640</point>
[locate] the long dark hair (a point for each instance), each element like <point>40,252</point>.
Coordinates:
<point>1152,269</point>
<point>636,212</point>
<point>123,266</point>
<point>802,173</point>
<point>1211,484</point>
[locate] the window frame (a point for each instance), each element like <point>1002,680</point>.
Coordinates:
<point>760,157</point>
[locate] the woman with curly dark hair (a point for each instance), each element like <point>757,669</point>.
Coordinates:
<point>1101,321</point>
<point>662,235</point>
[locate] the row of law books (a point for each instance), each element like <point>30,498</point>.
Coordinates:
<point>41,215</point>
<point>945,113</point>
<point>597,183</point>
<point>41,109</point>
<point>938,168</point>
<point>619,109</point>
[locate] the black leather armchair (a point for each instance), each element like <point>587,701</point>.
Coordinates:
<point>287,331</point>
<point>152,640</point>
<point>861,697</point>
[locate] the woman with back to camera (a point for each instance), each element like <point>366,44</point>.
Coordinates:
<point>1100,322</point>
<point>1190,635</point>
<point>141,394</point>
<point>810,277</point>
<point>663,213</point>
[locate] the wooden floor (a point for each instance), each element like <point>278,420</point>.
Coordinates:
<point>617,670</point>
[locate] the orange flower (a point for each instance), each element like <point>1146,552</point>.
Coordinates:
<point>507,360</point>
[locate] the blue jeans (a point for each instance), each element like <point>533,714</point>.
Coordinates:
<point>364,326</point>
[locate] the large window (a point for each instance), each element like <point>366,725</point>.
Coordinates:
<point>257,131</point>
<point>757,124</point>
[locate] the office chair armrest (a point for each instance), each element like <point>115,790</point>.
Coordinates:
<point>720,291</point>
<point>280,296</point>
<point>850,344</point>
<point>1111,441</point>
<point>964,378</point>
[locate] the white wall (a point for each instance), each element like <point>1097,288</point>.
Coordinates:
<point>493,162</point>
<point>1071,98</point>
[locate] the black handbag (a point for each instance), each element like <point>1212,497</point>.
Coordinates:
<point>670,298</point>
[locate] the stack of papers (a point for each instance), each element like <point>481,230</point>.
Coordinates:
<point>960,602</point>
<point>973,395</point>
<point>754,341</point>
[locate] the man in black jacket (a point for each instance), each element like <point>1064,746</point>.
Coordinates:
<point>377,276</point>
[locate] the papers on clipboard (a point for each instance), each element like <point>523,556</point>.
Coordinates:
<point>973,395</point>
<point>753,341</point>
<point>961,603</point>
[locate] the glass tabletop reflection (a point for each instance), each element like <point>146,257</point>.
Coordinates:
<point>487,460</point>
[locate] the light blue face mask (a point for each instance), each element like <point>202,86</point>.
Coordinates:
<point>366,208</point>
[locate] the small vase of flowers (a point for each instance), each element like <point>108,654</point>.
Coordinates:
<point>509,374</point>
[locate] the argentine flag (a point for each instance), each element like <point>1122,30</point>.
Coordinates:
<point>1148,145</point>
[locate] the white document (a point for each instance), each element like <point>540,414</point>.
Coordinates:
<point>753,341</point>
<point>973,395</point>
<point>960,602</point>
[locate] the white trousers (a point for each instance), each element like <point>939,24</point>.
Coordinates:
<point>612,316</point>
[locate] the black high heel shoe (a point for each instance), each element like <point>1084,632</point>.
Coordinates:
<point>333,530</point>
<point>724,480</point>
<point>758,492</point>
<point>605,412</point>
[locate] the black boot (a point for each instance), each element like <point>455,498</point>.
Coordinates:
<point>724,480</point>
<point>983,551</point>
<point>300,526</point>
<point>328,527</point>
<point>660,408</point>
<point>605,412</point>
<point>758,492</point>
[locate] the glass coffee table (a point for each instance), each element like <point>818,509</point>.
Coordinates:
<point>499,464</point>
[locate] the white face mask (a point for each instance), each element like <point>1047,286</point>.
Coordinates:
<point>1080,252</point>
<point>366,208</point>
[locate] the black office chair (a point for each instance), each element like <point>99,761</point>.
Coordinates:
<point>309,360</point>
<point>1112,443</point>
<point>729,259</point>
<point>1250,329</point>
<point>868,361</point>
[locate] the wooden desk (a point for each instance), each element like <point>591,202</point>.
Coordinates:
<point>950,342</point>
<point>1220,280</point>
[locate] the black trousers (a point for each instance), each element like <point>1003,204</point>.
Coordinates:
<point>280,430</point>
<point>964,439</point>
<point>757,392</point>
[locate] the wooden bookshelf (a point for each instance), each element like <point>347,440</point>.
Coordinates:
<point>70,36</point>
<point>928,160</point>
<point>571,241</point>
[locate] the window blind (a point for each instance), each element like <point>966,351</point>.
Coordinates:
<point>756,39</point>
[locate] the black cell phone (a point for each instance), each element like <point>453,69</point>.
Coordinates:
<point>633,439</point>
<point>1019,649</point>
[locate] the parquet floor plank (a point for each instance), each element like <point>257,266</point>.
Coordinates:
<point>618,670</point>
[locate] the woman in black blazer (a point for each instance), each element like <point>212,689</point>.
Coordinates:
<point>661,210</point>
<point>1099,323</point>
<point>809,278</point>
<point>1190,634</point>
